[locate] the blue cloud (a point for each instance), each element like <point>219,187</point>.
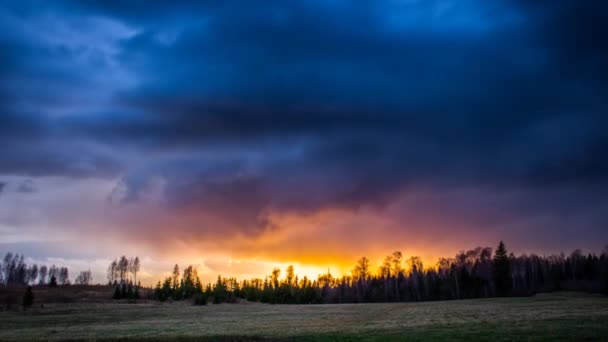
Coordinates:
<point>359,99</point>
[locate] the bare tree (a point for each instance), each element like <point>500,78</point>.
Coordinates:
<point>397,271</point>
<point>64,277</point>
<point>32,274</point>
<point>112,271</point>
<point>83,278</point>
<point>396,262</point>
<point>42,273</point>
<point>123,266</point>
<point>135,268</point>
<point>361,271</point>
<point>415,264</point>
<point>275,277</point>
<point>7,267</point>
<point>53,274</point>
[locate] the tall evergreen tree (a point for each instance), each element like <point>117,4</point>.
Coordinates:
<point>502,271</point>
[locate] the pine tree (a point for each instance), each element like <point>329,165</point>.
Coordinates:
<point>502,271</point>
<point>219,291</point>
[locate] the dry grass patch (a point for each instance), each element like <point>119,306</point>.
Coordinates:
<point>550,316</point>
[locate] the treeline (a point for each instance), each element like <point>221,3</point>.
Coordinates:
<point>123,270</point>
<point>14,271</point>
<point>122,275</point>
<point>476,273</point>
<point>184,287</point>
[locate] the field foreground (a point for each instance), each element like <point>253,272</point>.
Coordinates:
<point>559,316</point>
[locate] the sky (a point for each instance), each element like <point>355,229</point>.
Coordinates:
<point>239,136</point>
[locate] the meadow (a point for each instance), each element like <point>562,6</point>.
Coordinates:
<point>544,317</point>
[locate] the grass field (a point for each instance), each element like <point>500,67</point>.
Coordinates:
<point>550,317</point>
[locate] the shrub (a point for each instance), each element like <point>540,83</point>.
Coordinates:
<point>200,300</point>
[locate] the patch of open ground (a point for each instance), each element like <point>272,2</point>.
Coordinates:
<point>550,317</point>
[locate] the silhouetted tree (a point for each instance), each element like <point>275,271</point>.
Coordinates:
<point>473,273</point>
<point>83,278</point>
<point>63,278</point>
<point>32,274</point>
<point>123,269</point>
<point>135,268</point>
<point>112,272</point>
<point>53,274</point>
<point>42,274</point>
<point>28,297</point>
<point>175,277</point>
<point>502,271</point>
<point>53,281</point>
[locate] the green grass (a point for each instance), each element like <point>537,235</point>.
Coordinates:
<point>547,317</point>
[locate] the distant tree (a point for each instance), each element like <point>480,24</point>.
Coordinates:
<point>361,271</point>
<point>175,277</point>
<point>32,274</point>
<point>274,278</point>
<point>396,263</point>
<point>289,275</point>
<point>83,278</point>
<point>385,269</point>
<point>28,297</point>
<point>167,288</point>
<point>53,281</point>
<point>123,266</point>
<point>188,280</point>
<point>416,278</point>
<point>63,277</point>
<point>14,269</point>
<point>42,273</point>
<point>502,271</point>
<point>135,268</point>
<point>219,291</point>
<point>53,274</point>
<point>415,264</point>
<point>6,267</point>
<point>21,274</point>
<point>112,272</point>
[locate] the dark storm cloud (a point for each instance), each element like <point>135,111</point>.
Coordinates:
<point>377,108</point>
<point>311,104</point>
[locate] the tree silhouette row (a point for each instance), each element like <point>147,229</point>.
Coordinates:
<point>476,273</point>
